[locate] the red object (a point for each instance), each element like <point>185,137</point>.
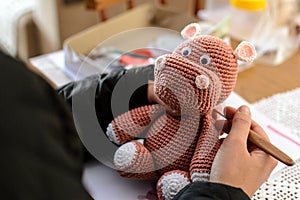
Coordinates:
<point>137,57</point>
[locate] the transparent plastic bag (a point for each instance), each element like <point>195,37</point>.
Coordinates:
<point>276,37</point>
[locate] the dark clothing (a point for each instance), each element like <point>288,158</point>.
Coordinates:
<point>116,90</point>
<point>130,83</point>
<point>209,191</point>
<point>40,150</point>
<point>42,156</point>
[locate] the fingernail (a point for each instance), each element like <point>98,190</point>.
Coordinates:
<point>244,109</point>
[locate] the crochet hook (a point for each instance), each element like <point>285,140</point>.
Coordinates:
<point>266,146</point>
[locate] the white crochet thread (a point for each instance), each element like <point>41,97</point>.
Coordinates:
<point>285,184</point>
<point>171,184</point>
<point>125,155</point>
<point>198,177</point>
<point>111,134</point>
<point>283,108</point>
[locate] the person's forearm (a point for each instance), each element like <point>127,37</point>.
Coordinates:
<point>105,85</point>
<point>99,89</point>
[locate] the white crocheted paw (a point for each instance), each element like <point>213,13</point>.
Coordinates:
<point>125,155</point>
<point>199,177</point>
<point>171,184</point>
<point>111,134</point>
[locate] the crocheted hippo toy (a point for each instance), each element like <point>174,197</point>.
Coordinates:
<point>180,137</point>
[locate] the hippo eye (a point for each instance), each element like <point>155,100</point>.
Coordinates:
<point>205,59</point>
<point>186,51</point>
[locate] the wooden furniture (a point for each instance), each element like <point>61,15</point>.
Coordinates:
<point>197,5</point>
<point>102,5</point>
<point>261,81</point>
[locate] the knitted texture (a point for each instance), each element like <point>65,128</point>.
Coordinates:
<point>176,86</point>
<point>285,184</point>
<point>128,127</point>
<point>180,140</point>
<point>176,180</point>
<point>207,147</point>
<point>168,136</point>
<point>223,61</point>
<point>141,166</point>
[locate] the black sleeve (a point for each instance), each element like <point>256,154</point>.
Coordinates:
<point>112,94</point>
<point>111,90</point>
<point>210,191</point>
<point>41,153</point>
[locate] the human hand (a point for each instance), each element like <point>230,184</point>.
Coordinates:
<point>238,163</point>
<point>152,98</point>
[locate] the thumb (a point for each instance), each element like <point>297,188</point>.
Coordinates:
<point>241,124</point>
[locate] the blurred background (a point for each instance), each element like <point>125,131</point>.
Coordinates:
<point>34,27</point>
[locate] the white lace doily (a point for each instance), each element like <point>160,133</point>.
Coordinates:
<point>283,108</point>
<point>285,184</point>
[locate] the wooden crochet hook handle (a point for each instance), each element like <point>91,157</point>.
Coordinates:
<point>269,148</point>
<point>266,146</point>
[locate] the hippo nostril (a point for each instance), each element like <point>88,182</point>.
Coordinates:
<point>160,62</point>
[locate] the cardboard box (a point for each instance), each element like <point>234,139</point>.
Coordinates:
<point>125,32</point>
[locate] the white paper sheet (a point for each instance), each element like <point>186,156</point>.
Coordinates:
<point>104,183</point>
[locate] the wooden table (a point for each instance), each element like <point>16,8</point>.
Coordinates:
<point>261,81</point>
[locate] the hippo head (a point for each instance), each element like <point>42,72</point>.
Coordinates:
<point>200,73</point>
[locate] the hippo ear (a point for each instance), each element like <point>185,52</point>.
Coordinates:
<point>245,51</point>
<point>191,30</point>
